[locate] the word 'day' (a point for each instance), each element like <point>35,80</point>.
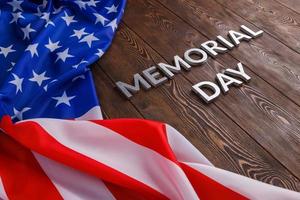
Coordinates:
<point>226,79</point>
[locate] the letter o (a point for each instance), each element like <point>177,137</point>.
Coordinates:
<point>198,52</point>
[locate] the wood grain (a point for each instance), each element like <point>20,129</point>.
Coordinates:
<point>271,16</point>
<point>291,4</point>
<point>243,106</point>
<point>268,58</point>
<point>206,126</point>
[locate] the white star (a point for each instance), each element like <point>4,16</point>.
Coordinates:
<point>19,114</point>
<point>46,16</point>
<point>81,62</point>
<point>64,99</point>
<point>49,23</point>
<point>92,3</point>
<point>100,18</point>
<point>81,4</point>
<point>79,33</point>
<point>27,30</point>
<point>99,53</point>
<point>39,13</point>
<point>63,55</point>
<point>33,49</point>
<point>52,46</point>
<point>17,82</point>
<point>16,5</point>
<point>46,86</point>
<point>54,80</point>
<point>6,50</point>
<point>68,19</point>
<point>16,16</point>
<point>12,66</point>
<point>113,25</point>
<point>57,10</point>
<point>112,9</point>
<point>45,2</point>
<point>38,78</point>
<point>78,77</point>
<point>89,39</point>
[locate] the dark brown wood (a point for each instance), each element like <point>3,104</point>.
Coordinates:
<point>270,16</point>
<point>253,130</point>
<point>281,126</point>
<point>268,58</point>
<point>291,4</point>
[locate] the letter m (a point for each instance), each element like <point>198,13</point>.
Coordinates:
<point>128,89</point>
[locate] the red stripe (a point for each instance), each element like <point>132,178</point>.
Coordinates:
<point>21,174</point>
<point>34,137</point>
<point>153,135</point>
<point>147,133</point>
<point>207,188</point>
<point>122,193</point>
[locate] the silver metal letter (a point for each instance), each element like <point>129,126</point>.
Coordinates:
<point>195,51</point>
<point>209,85</point>
<point>127,89</point>
<point>240,73</point>
<point>250,32</point>
<point>237,37</point>
<point>225,42</point>
<point>169,69</point>
<point>152,75</point>
<point>212,48</point>
<point>224,85</point>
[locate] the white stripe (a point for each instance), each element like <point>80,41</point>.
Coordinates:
<point>2,191</point>
<point>121,154</point>
<point>73,184</point>
<point>247,187</point>
<point>183,149</point>
<point>93,114</point>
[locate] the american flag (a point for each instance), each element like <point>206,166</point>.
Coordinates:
<point>54,143</point>
<point>46,51</point>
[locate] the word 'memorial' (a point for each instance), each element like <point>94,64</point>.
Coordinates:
<point>157,75</point>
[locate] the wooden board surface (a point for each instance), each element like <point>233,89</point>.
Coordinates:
<point>254,130</point>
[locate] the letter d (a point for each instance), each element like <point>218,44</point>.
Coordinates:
<point>197,88</point>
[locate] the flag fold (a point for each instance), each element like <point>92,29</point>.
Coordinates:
<point>123,157</point>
